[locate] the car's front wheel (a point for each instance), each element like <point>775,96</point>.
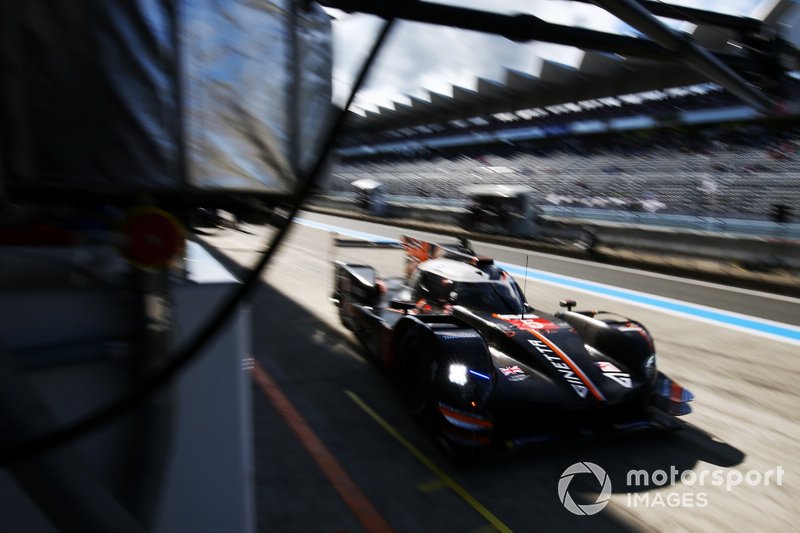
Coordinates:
<point>418,369</point>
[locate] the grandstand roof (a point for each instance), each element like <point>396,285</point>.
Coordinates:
<point>600,74</point>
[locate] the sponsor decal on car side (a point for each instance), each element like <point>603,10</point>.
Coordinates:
<point>529,323</point>
<point>566,367</point>
<point>615,374</point>
<point>459,334</point>
<point>514,373</point>
<point>605,366</point>
<point>511,370</point>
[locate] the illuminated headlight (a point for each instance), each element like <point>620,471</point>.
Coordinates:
<point>649,366</point>
<point>458,374</point>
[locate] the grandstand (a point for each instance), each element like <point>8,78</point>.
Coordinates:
<point>724,168</point>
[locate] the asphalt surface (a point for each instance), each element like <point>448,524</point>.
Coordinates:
<point>745,421</point>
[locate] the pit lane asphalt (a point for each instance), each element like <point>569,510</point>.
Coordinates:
<point>746,396</point>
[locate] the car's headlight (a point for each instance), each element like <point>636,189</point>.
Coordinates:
<point>458,374</point>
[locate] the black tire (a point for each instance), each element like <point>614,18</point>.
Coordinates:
<point>418,369</point>
<point>417,380</point>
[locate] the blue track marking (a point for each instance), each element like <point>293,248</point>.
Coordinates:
<point>726,318</point>
<point>685,308</point>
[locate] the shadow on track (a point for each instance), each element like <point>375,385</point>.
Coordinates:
<point>314,363</point>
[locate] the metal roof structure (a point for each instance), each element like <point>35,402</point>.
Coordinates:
<point>612,64</point>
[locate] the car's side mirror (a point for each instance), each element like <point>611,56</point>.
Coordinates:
<point>569,304</point>
<point>402,305</point>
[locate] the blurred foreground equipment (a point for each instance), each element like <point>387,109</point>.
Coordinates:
<point>125,125</point>
<point>197,100</point>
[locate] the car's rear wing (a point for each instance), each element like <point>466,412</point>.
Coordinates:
<point>417,250</point>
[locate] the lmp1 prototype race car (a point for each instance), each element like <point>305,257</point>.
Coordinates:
<point>475,359</point>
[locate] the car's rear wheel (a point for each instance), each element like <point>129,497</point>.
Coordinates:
<point>418,369</point>
<point>345,318</point>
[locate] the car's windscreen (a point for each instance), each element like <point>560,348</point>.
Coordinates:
<point>492,297</point>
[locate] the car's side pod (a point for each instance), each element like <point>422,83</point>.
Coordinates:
<point>629,349</point>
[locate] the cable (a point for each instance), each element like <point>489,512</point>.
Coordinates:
<point>190,351</point>
<point>692,20</point>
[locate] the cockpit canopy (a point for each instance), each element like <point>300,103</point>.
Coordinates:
<point>484,288</point>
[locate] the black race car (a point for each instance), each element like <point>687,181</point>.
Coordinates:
<point>473,357</point>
